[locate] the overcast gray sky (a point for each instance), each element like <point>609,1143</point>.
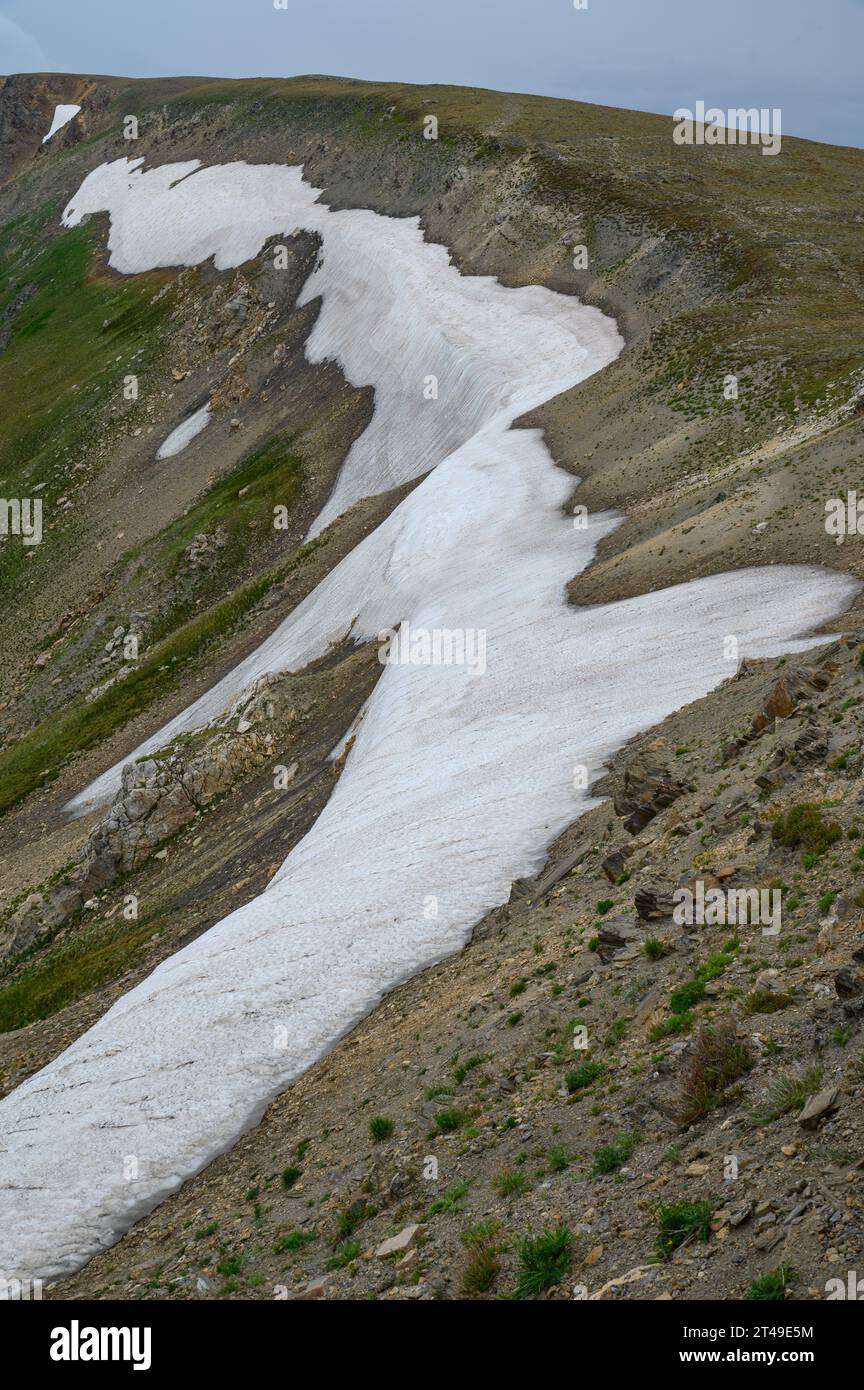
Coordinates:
<point>803,56</point>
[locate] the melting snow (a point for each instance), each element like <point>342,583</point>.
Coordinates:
<point>184,433</point>
<point>456,782</point>
<point>62,116</point>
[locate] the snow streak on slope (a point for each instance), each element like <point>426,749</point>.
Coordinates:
<point>62,116</point>
<point>456,782</point>
<point>184,433</point>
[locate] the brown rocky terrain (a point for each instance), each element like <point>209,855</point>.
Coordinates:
<point>718,1078</point>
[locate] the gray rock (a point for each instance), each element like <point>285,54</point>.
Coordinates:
<point>616,933</point>
<point>647,789</point>
<point>654,902</point>
<point>398,1244</point>
<point>818,1107</point>
<point>741,1214</point>
<point>730,803</point>
<point>614,865</point>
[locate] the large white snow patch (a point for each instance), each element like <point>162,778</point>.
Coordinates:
<point>458,777</point>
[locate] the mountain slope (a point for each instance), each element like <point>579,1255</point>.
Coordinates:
<point>697,288</point>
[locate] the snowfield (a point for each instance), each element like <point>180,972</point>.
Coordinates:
<point>457,781</point>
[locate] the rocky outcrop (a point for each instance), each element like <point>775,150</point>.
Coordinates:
<point>27,102</point>
<point>157,798</point>
<point>783,701</point>
<point>616,934</point>
<point>203,549</point>
<point>654,901</point>
<point>648,788</point>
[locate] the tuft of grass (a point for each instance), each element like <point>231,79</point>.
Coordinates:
<point>464,1068</point>
<point>717,1057</point>
<point>583,1076</point>
<point>671,1027</point>
<point>484,1259</point>
<point>767,1001</point>
<point>544,1261</point>
<point>616,1031</point>
<point>678,1222</point>
<point>787,1092</point>
<point>434,1092</point>
<point>510,1183</point>
<point>611,1157</point>
<point>350,1218</point>
<point>346,1251</point>
<point>296,1240</point>
<point>771,1287</point>
<point>479,1231</point>
<point>452,1199</point>
<point>682,999</point>
<point>447,1121</point>
<point>380,1128</point>
<point>290,1175</point>
<point>559,1158</point>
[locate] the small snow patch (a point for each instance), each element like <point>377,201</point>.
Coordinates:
<point>62,116</point>
<point>184,433</point>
